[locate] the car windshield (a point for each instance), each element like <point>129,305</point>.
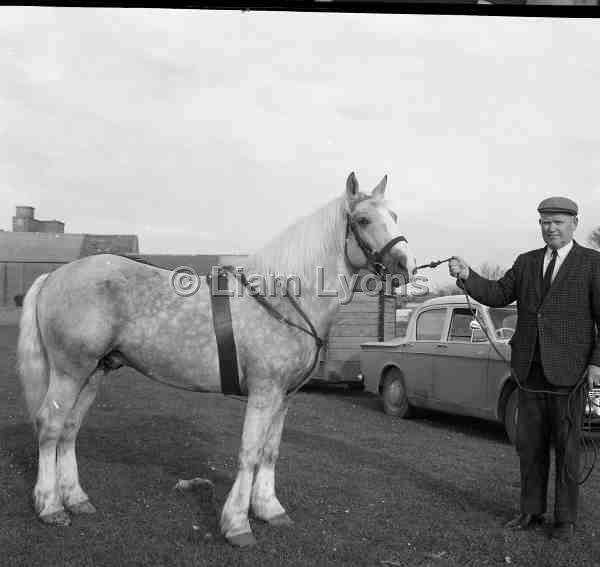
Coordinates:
<point>504,320</point>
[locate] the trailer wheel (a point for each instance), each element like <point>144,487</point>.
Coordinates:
<point>393,395</point>
<point>511,415</point>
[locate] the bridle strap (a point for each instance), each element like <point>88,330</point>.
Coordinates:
<point>391,244</point>
<point>274,312</point>
<point>374,257</point>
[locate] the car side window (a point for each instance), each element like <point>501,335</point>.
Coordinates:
<point>430,325</point>
<point>460,326</point>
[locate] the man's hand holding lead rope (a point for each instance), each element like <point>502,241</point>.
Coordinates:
<point>458,268</point>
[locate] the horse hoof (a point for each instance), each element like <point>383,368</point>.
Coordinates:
<point>85,507</point>
<point>281,521</point>
<point>242,540</point>
<point>60,518</point>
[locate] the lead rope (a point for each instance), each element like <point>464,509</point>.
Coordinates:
<point>588,444</point>
<point>319,342</point>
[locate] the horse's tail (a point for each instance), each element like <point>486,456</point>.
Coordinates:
<point>31,357</point>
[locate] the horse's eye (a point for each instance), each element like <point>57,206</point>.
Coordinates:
<point>363,221</point>
<point>394,216</point>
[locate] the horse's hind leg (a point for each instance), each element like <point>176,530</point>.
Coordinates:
<point>72,495</point>
<point>60,398</point>
<point>259,416</point>
<point>265,504</point>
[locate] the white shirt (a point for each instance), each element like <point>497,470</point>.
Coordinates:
<point>562,254</point>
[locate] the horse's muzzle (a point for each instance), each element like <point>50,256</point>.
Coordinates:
<point>403,268</point>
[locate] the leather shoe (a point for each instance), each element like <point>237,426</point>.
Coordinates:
<point>563,531</point>
<point>524,522</point>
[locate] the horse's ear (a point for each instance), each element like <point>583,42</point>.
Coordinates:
<point>379,191</point>
<point>352,188</point>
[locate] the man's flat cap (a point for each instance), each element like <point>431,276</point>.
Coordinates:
<point>558,205</point>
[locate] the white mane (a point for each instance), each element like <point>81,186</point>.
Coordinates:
<point>307,243</point>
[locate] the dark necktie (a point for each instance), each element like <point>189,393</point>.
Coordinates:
<point>547,281</point>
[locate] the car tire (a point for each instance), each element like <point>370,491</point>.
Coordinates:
<point>393,395</point>
<point>511,415</point>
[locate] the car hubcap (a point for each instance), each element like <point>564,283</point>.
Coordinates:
<point>395,393</point>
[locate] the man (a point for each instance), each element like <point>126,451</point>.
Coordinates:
<point>555,355</point>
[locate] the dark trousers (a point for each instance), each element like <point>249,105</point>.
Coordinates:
<point>545,418</point>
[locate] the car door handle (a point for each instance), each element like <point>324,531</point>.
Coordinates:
<point>442,346</point>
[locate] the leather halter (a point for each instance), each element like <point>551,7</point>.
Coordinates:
<point>374,258</point>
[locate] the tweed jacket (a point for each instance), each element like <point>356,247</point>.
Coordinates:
<point>566,321</point>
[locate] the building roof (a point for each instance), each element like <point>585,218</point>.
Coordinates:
<point>60,247</point>
<point>39,247</point>
<point>111,243</point>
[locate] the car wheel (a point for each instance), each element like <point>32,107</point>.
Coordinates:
<point>511,415</point>
<point>393,395</point>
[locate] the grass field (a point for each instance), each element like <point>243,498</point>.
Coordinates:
<point>362,488</point>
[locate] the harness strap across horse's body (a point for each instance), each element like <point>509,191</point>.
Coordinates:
<point>226,349</point>
<point>277,315</point>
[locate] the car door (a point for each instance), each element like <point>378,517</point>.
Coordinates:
<point>460,366</point>
<point>418,354</point>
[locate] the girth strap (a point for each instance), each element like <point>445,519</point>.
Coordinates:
<point>228,365</point>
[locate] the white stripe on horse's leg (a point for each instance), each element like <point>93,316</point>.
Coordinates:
<point>60,398</point>
<point>265,504</point>
<point>234,518</point>
<point>70,491</point>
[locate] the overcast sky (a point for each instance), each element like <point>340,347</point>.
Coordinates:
<point>209,132</point>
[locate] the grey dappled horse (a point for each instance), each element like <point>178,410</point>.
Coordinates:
<point>105,311</point>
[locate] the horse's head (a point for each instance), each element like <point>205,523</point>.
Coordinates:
<point>373,239</point>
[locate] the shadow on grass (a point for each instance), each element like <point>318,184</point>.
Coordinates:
<point>156,440</point>
<point>157,448</point>
<point>344,394</point>
<point>472,426</point>
<point>402,469</point>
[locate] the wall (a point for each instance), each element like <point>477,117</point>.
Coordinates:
<point>26,255</point>
<point>17,277</point>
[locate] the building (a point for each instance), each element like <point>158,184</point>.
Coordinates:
<point>25,221</point>
<point>35,247</point>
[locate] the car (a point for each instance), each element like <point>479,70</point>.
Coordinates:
<point>454,358</point>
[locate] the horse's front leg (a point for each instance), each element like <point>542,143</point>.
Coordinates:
<point>261,408</point>
<point>265,504</point>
